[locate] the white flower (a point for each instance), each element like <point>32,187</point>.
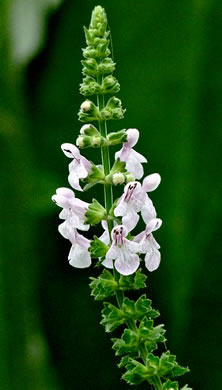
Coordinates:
<point>132,158</point>
<point>122,252</point>
<point>74,209</point>
<point>148,244</point>
<point>79,255</point>
<point>78,168</point>
<point>135,199</point>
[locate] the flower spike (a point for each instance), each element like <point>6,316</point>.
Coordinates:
<point>116,251</point>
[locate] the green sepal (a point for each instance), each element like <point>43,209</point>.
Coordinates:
<point>85,141</point>
<point>89,114</point>
<point>112,317</point>
<point>129,310</point>
<point>169,366</point>
<point>132,282</point>
<point>127,344</point>
<point>118,166</point>
<point>168,385</point>
<point>88,186</point>
<point>96,174</point>
<point>117,137</point>
<point>137,310</point>
<point>104,286</point>
<point>149,335</point>
<point>99,51</point>
<point>90,130</point>
<point>113,109</point>
<point>186,388</point>
<point>136,372</point>
<point>95,213</point>
<point>106,66</point>
<point>89,87</point>
<point>97,248</point>
<point>90,67</point>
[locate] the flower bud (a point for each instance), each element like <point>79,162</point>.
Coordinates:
<point>96,141</point>
<point>80,142</point>
<point>129,177</point>
<point>86,106</point>
<point>84,128</point>
<point>118,178</point>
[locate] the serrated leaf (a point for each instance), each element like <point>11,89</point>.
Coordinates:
<point>95,213</point>
<point>132,282</point>
<point>97,248</point>
<point>104,286</point>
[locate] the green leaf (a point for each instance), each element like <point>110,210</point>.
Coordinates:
<point>132,282</point>
<point>97,248</point>
<point>112,317</point>
<point>95,213</point>
<point>104,286</point>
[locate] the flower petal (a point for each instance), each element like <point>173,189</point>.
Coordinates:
<point>151,182</point>
<point>152,259</point>
<point>148,211</point>
<point>70,150</point>
<point>130,219</point>
<point>132,137</point>
<point>63,191</point>
<point>79,257</point>
<point>127,266</point>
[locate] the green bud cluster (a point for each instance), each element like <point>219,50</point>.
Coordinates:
<point>112,111</point>
<point>97,62</point>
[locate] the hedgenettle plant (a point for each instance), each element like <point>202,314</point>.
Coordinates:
<point>117,251</point>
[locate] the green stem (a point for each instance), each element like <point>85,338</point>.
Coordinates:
<point>108,193</point>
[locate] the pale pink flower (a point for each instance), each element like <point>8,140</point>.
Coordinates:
<point>148,244</point>
<point>79,255</point>
<point>132,158</point>
<point>78,168</point>
<point>123,252</point>
<point>135,199</point>
<point>74,209</point>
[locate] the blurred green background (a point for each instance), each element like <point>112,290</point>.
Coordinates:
<point>169,65</point>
